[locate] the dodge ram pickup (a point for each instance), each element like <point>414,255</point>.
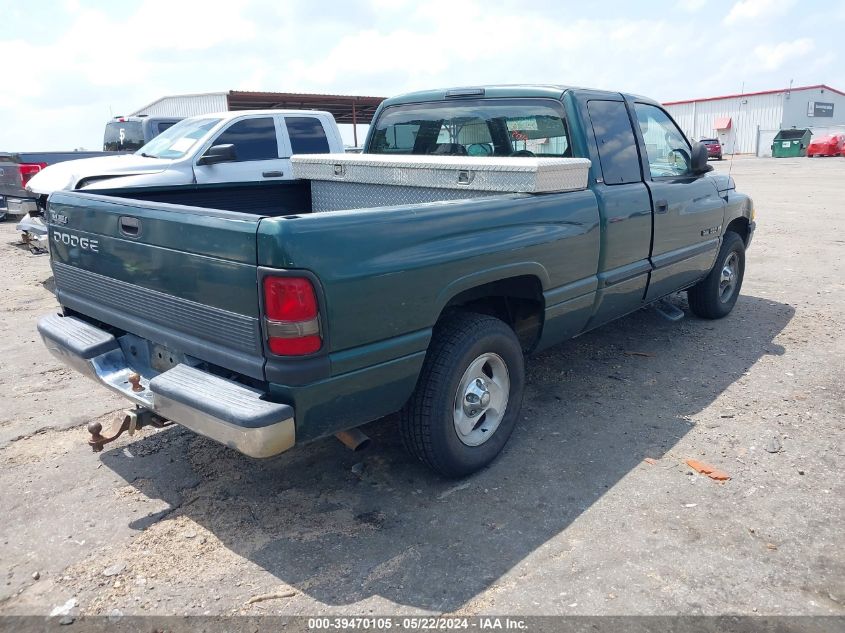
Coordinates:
<point>226,147</point>
<point>479,225</point>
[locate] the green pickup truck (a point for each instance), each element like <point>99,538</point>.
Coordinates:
<point>264,315</point>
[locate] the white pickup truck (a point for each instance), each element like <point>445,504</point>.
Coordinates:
<point>226,147</point>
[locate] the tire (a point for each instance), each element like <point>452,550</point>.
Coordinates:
<point>436,427</point>
<point>714,296</point>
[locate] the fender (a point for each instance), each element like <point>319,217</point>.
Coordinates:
<point>499,273</point>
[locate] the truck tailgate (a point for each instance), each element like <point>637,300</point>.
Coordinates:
<point>10,177</point>
<point>182,277</point>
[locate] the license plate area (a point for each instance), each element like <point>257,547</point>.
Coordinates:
<point>162,359</point>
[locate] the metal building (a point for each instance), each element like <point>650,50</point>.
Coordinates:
<point>350,109</point>
<point>747,123</point>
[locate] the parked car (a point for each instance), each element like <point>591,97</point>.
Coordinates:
<point>714,147</point>
<point>18,168</point>
<point>411,278</point>
<point>131,133</point>
<point>828,145</point>
<point>122,135</point>
<point>227,147</point>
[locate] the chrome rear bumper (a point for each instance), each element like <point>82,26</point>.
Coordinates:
<point>220,409</point>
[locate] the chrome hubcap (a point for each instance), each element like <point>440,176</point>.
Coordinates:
<point>481,399</point>
<point>728,278</point>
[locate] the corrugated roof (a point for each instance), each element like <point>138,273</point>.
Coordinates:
<point>344,108</point>
<point>752,94</point>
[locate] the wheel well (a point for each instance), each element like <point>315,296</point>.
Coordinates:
<point>740,227</point>
<point>518,301</point>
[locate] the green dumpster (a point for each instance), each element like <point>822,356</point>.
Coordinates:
<point>789,143</point>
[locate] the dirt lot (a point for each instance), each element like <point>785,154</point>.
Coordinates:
<point>570,520</point>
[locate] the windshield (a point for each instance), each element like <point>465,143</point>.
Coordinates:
<point>123,136</point>
<point>176,141</point>
<point>500,127</point>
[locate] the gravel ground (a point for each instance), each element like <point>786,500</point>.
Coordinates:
<point>571,519</point>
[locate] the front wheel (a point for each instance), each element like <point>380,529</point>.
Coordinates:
<point>468,397</point>
<point>714,296</point>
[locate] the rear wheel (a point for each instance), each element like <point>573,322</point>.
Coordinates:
<point>714,296</point>
<point>468,396</point>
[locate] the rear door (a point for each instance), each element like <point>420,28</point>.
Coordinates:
<point>258,148</point>
<point>688,211</point>
<point>183,277</point>
<point>624,206</point>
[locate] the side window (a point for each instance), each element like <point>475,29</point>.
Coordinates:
<point>163,125</point>
<point>254,139</point>
<point>667,149</point>
<point>307,135</point>
<point>620,162</point>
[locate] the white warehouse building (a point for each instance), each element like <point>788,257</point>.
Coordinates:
<point>747,123</point>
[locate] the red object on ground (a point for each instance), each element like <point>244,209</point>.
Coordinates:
<point>707,469</point>
<point>829,145</point>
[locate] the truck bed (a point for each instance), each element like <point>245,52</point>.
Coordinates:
<point>293,197</point>
<point>268,199</point>
<point>340,182</point>
<point>182,271</point>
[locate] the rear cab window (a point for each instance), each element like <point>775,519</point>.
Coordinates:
<point>123,136</point>
<point>482,127</point>
<point>617,145</point>
<point>307,135</point>
<point>254,139</point>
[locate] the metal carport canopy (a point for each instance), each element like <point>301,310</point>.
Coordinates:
<point>345,108</point>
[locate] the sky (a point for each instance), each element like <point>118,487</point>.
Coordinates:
<point>70,65</point>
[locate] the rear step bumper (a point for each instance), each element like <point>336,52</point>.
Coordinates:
<point>220,409</point>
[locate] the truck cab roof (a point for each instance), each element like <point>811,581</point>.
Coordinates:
<point>234,114</point>
<point>500,91</point>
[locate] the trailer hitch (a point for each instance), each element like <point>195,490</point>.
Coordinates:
<point>128,422</point>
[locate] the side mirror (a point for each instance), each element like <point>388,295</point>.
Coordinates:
<point>698,159</point>
<point>218,154</point>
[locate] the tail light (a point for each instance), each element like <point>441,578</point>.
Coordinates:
<point>291,316</point>
<point>28,170</point>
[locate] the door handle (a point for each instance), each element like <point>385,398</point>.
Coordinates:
<point>272,174</point>
<point>129,226</point>
<point>661,206</point>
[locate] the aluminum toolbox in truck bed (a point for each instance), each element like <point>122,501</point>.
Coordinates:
<point>473,173</point>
